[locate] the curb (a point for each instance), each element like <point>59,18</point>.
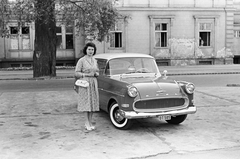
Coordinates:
<point>38,78</point>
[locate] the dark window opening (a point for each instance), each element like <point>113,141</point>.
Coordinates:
<point>207,62</point>
<point>13,30</point>
<point>27,65</point>
<point>59,64</point>
<point>118,39</point>
<point>163,62</point>
<point>164,27</point>
<point>15,65</point>
<point>69,41</point>
<point>25,30</point>
<point>58,30</point>
<point>204,38</point>
<point>163,39</point>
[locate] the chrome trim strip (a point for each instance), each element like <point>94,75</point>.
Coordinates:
<point>186,103</point>
<point>111,92</point>
<point>135,115</point>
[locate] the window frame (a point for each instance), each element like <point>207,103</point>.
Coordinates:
<point>213,19</point>
<point>161,32</point>
<point>20,37</point>
<point>69,33</point>
<point>119,30</point>
<point>64,34</point>
<point>205,31</point>
<point>169,19</point>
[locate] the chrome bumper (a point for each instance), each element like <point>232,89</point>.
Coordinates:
<point>134,115</point>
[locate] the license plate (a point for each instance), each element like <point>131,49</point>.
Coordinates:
<point>165,117</point>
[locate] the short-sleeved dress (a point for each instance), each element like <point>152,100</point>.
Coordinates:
<point>88,97</point>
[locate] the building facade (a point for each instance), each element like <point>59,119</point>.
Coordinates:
<point>236,39</point>
<point>175,32</point>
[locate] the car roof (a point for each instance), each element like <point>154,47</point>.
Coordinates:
<point>109,56</point>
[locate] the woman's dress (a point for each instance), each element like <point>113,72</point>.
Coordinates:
<point>88,97</point>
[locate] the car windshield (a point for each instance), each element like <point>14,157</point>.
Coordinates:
<point>131,65</point>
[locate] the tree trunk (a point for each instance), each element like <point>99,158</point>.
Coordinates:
<point>44,56</point>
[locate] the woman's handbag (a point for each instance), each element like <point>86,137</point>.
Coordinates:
<point>82,83</point>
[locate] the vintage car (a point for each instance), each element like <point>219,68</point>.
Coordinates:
<point>131,86</point>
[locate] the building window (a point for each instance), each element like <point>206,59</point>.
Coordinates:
<point>64,37</point>
<point>161,34</point>
<point>69,37</point>
<point>205,30</point>
<point>236,33</point>
<point>19,38</point>
<point>116,35</point>
<point>59,37</point>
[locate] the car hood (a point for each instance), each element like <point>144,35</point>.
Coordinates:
<point>156,87</point>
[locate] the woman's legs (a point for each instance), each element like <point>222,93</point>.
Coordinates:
<point>91,120</point>
<point>88,122</point>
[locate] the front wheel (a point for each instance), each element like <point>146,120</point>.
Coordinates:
<point>117,119</point>
<point>177,119</point>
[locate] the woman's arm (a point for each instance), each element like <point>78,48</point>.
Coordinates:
<point>80,74</point>
<point>78,70</point>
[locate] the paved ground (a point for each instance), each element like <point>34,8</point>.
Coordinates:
<point>46,125</point>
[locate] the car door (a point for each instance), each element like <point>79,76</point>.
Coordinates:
<point>102,82</point>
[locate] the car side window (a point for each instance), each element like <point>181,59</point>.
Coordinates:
<point>101,65</point>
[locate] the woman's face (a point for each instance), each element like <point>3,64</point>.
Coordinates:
<point>90,51</point>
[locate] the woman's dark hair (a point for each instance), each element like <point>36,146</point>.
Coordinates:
<point>89,44</point>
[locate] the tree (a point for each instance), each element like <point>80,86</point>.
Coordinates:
<point>92,19</point>
<point>44,57</point>
<point>4,17</point>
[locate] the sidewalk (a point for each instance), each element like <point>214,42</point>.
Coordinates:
<point>172,70</point>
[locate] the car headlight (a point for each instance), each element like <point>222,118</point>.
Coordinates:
<point>189,88</point>
<point>132,91</point>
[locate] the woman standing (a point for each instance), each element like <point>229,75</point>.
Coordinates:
<point>88,97</point>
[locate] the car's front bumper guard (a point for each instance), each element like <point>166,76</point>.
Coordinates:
<point>134,115</point>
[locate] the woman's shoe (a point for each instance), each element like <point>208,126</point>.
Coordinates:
<point>88,128</point>
<point>93,127</point>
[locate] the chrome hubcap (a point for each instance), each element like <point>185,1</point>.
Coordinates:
<point>118,116</point>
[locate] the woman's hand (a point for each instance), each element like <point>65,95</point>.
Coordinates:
<point>91,74</point>
<point>96,74</point>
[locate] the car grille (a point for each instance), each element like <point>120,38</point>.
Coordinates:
<point>168,103</point>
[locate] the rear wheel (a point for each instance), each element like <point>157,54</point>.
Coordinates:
<point>177,119</point>
<point>117,119</point>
